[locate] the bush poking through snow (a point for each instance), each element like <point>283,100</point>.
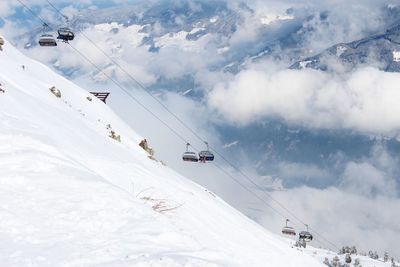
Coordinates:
<point>301,244</point>
<point>115,136</point>
<point>89,98</point>
<point>160,205</point>
<point>55,91</point>
<point>143,144</point>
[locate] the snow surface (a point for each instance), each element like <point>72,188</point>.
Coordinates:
<point>396,56</point>
<point>214,19</point>
<point>179,40</point>
<point>72,196</point>
<point>303,64</point>
<point>365,261</point>
<point>340,49</point>
<point>270,18</point>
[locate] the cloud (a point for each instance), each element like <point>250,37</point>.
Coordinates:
<point>176,58</point>
<point>365,100</point>
<point>361,210</point>
<point>341,217</point>
<point>365,179</point>
<point>319,24</point>
<point>372,176</point>
<point>10,29</point>
<point>119,47</point>
<point>6,8</point>
<point>229,145</point>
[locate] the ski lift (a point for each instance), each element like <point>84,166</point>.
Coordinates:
<point>288,230</point>
<point>47,40</point>
<point>206,155</point>
<point>189,155</point>
<point>305,235</point>
<point>65,34</point>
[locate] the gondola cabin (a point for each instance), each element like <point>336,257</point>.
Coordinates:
<point>65,34</point>
<point>190,156</point>
<point>306,236</point>
<point>288,230</point>
<point>47,40</point>
<point>206,156</point>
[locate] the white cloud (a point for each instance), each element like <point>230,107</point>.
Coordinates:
<point>11,30</point>
<point>365,100</point>
<point>362,210</point>
<point>229,145</point>
<point>341,217</point>
<point>6,8</point>
<point>365,179</point>
<point>372,176</point>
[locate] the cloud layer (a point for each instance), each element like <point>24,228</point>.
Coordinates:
<point>365,100</point>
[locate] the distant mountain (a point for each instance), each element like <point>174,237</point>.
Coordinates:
<point>380,50</point>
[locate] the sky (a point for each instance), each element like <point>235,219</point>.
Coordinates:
<point>360,201</point>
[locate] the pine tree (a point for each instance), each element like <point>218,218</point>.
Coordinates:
<point>393,263</point>
<point>335,262</point>
<point>386,257</point>
<point>348,258</point>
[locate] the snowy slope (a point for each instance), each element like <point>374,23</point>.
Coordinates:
<point>72,196</point>
<point>323,254</point>
<point>364,261</point>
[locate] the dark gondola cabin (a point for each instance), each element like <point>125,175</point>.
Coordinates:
<point>47,40</point>
<point>206,156</point>
<point>65,34</point>
<point>306,236</point>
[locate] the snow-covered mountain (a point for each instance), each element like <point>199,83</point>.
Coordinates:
<point>381,50</point>
<point>182,50</point>
<point>72,196</point>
